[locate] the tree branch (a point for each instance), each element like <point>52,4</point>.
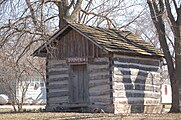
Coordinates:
<point>169,12</point>
<point>109,21</point>
<point>34,19</point>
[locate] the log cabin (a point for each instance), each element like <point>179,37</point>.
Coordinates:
<point>95,69</point>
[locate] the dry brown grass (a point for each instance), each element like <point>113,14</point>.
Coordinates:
<point>6,115</point>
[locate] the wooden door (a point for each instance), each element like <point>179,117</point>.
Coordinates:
<point>78,84</point>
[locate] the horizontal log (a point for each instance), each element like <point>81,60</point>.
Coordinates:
<point>57,86</point>
<point>55,62</point>
<point>58,100</point>
<point>99,62</point>
<point>135,93</point>
<point>128,71</point>
<point>150,75</point>
<point>100,59</point>
<point>137,60</point>
<point>104,73</point>
<point>101,83</point>
<point>59,72</point>
<point>56,66</point>
<point>57,94</point>
<point>135,86</point>
<point>99,80</point>
<point>59,82</point>
<point>135,64</point>
<point>107,96</point>
<point>58,76</point>
<point>102,103</point>
<point>92,67</point>
<point>99,93</point>
<point>139,79</point>
<point>100,88</point>
<point>155,69</point>
<point>136,100</point>
<point>101,99</point>
<point>97,77</point>
<point>58,90</point>
<point>58,69</point>
<point>58,79</point>
<point>93,71</point>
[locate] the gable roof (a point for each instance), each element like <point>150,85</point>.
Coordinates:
<point>110,40</point>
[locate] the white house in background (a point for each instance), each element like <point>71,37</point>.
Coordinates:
<point>166,89</point>
<point>36,91</point>
<point>166,94</point>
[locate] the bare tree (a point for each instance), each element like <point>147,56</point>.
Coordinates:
<point>157,10</point>
<point>26,24</point>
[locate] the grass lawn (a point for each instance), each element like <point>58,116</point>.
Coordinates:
<point>7,115</point>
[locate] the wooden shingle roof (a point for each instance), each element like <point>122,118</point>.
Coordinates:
<point>118,41</point>
<point>113,40</point>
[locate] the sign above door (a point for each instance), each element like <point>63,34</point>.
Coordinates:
<point>77,60</point>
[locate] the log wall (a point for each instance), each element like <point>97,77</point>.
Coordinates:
<point>57,84</point>
<point>100,85</point>
<point>136,84</point>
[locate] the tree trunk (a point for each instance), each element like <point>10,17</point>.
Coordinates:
<point>175,96</point>
<point>62,9</point>
<point>177,36</point>
<point>174,68</point>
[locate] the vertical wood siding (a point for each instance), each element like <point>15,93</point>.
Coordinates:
<point>136,84</point>
<point>73,44</point>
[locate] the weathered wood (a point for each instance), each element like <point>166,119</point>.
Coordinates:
<point>78,84</point>
<point>58,69</point>
<point>100,70</point>
<point>129,65</point>
<point>99,62</point>
<point>136,86</point>
<point>139,79</point>
<point>99,93</point>
<point>58,82</point>
<point>98,73</point>
<point>135,93</point>
<point>58,94</point>
<point>58,72</point>
<point>57,66</point>
<point>101,99</point>
<point>58,76</point>
<point>74,44</point>
<point>143,101</point>
<point>129,71</point>
<point>129,59</point>
<point>58,79</point>
<point>58,100</point>
<point>73,105</point>
<point>99,77</point>
<point>58,90</point>
<point>98,88</point>
<point>96,84</point>
<point>91,67</point>
<point>148,68</point>
<point>57,86</point>
<point>102,103</point>
<point>56,62</point>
